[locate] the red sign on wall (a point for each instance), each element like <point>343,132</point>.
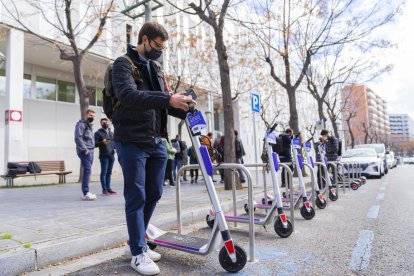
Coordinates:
<point>13,116</point>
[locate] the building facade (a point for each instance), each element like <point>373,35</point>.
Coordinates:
<point>365,116</point>
<point>401,128</point>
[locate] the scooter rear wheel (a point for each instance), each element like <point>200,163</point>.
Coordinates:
<point>321,204</point>
<point>332,196</point>
<point>354,186</point>
<point>305,214</point>
<point>210,222</point>
<point>151,246</point>
<point>227,263</point>
<point>282,231</point>
<point>246,209</point>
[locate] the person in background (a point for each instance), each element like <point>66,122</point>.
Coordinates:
<point>220,150</point>
<point>286,155</point>
<point>85,144</point>
<point>178,157</point>
<point>104,141</point>
<point>239,154</point>
<point>185,159</point>
<point>170,159</point>
<point>193,160</point>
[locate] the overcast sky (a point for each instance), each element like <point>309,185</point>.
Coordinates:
<point>397,87</point>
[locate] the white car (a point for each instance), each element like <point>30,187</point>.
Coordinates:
<point>381,151</point>
<point>371,164</point>
<point>391,161</point>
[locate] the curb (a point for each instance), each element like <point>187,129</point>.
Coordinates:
<point>52,252</point>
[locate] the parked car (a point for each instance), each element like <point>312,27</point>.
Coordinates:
<point>381,152</point>
<point>371,163</point>
<point>391,160</point>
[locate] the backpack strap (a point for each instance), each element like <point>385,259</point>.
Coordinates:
<point>135,72</point>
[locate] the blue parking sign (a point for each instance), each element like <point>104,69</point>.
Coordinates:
<point>255,102</point>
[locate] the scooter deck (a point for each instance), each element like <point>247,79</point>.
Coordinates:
<point>183,242</point>
<point>240,219</point>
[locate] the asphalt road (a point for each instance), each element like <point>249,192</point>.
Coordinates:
<point>366,232</point>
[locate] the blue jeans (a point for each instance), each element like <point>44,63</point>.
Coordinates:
<point>107,163</point>
<point>86,162</point>
<point>143,171</point>
<point>178,163</point>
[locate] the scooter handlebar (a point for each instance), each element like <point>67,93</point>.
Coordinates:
<point>271,129</point>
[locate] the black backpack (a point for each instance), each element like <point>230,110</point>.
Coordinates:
<point>279,147</point>
<point>110,102</point>
<point>14,169</point>
<point>33,167</point>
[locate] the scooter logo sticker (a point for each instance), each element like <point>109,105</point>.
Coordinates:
<point>308,146</point>
<point>271,138</point>
<point>296,143</point>
<point>196,122</point>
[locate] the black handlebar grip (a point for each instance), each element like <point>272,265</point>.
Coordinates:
<point>273,127</point>
<point>191,108</point>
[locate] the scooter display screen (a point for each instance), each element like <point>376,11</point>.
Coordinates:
<point>296,143</point>
<point>196,122</point>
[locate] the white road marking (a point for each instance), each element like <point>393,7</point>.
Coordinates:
<point>373,212</point>
<point>380,196</point>
<point>362,251</point>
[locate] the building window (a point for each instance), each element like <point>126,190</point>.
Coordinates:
<point>66,91</point>
<point>99,96</point>
<point>27,86</point>
<point>45,89</point>
<point>92,95</point>
<point>27,83</point>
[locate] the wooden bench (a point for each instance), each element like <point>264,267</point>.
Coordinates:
<point>48,167</point>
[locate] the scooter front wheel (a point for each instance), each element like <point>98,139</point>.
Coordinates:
<point>227,263</point>
<point>332,196</point>
<point>210,221</point>
<point>321,204</point>
<point>305,214</point>
<point>281,230</point>
<point>354,186</point>
<point>151,246</point>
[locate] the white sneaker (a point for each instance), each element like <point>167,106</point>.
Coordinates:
<point>88,196</point>
<point>155,256</point>
<point>144,265</point>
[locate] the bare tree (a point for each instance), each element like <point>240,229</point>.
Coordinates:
<point>214,14</point>
<point>350,131</point>
<point>71,24</point>
<point>292,32</point>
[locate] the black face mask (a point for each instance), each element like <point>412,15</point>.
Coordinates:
<point>105,126</point>
<point>90,120</point>
<point>153,54</point>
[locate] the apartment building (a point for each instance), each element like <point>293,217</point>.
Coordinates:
<point>365,116</point>
<point>401,128</point>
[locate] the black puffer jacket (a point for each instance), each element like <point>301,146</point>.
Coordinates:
<point>144,104</point>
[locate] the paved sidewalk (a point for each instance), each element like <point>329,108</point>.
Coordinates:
<point>45,225</point>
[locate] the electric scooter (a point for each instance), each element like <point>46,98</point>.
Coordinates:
<point>306,210</point>
<point>333,196</point>
<point>282,226</point>
<point>320,200</point>
<point>231,257</point>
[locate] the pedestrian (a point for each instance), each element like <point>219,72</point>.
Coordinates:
<point>331,148</point>
<point>220,150</point>
<point>139,118</point>
<point>285,155</point>
<point>104,139</point>
<point>170,158</point>
<point>217,141</point>
<point>193,160</point>
<point>178,157</point>
<point>185,160</point>
<point>239,154</point>
<point>85,144</point>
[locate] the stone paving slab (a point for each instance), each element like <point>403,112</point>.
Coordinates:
<point>59,226</point>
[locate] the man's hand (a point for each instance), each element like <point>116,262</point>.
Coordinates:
<point>105,141</point>
<point>181,101</point>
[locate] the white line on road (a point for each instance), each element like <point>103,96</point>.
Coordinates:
<point>362,251</point>
<point>380,196</point>
<point>373,212</point>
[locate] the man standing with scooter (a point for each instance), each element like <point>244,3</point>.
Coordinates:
<point>139,118</point>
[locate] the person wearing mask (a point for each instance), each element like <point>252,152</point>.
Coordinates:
<point>170,159</point>
<point>85,144</point>
<point>185,159</point>
<point>144,103</point>
<point>104,140</point>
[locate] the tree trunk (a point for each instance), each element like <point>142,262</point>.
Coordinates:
<point>335,127</point>
<point>229,149</point>
<point>351,134</point>
<point>83,95</point>
<point>294,119</point>
<point>320,111</point>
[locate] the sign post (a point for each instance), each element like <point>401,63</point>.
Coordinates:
<point>255,103</point>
